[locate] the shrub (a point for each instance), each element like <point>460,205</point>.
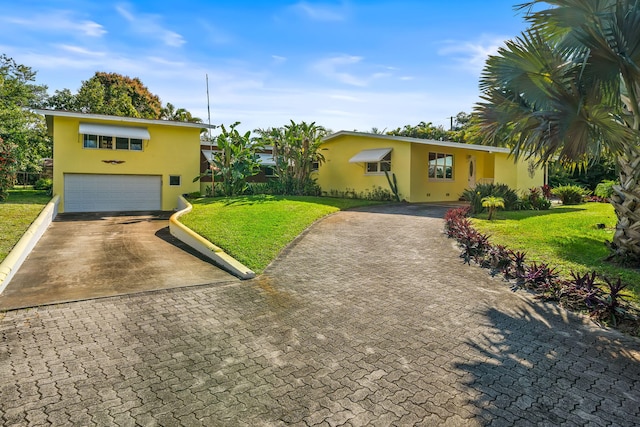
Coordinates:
<point>604,302</point>
<point>604,189</point>
<point>535,199</point>
<point>376,193</point>
<point>43,184</point>
<point>475,195</point>
<point>570,194</point>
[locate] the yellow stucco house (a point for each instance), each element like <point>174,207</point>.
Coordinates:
<point>108,163</point>
<point>426,170</point>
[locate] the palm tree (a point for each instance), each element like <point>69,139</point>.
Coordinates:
<point>492,203</point>
<point>569,87</point>
<point>296,151</point>
<point>170,112</point>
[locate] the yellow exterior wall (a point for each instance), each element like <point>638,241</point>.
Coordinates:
<point>409,161</point>
<point>171,150</point>
<point>338,175</point>
<point>427,189</point>
<point>516,174</point>
<point>525,180</point>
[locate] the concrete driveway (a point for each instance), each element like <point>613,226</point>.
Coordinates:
<point>369,319</point>
<point>85,256</point>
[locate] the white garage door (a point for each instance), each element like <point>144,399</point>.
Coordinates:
<point>104,193</point>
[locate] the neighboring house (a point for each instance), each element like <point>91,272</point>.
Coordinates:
<point>426,170</point>
<point>109,163</point>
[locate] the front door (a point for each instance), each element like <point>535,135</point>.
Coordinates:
<point>472,172</point>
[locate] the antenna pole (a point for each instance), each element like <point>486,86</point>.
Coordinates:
<point>209,118</point>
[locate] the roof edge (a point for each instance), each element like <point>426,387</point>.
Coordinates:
<point>450,144</point>
<point>105,117</point>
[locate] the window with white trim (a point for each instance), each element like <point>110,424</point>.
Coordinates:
<point>111,143</point>
<point>441,166</point>
<point>379,167</point>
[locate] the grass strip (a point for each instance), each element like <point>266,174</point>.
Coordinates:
<point>17,213</point>
<point>254,229</point>
<point>566,237</point>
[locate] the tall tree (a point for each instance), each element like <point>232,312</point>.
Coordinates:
<point>115,94</point>
<point>18,126</point>
<point>570,87</point>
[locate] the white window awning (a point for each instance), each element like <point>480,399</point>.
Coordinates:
<point>117,131</point>
<point>208,154</point>
<point>370,156</point>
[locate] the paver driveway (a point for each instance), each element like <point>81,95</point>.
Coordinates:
<point>92,255</point>
<point>370,318</point>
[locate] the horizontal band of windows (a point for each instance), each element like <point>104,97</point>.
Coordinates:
<point>111,143</point>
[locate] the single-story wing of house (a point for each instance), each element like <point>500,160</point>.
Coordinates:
<point>108,163</point>
<point>425,170</point>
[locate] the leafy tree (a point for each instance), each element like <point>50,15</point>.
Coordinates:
<point>235,160</point>
<point>113,94</point>
<point>7,168</point>
<point>62,100</point>
<point>570,87</point>
<point>18,126</point>
<point>296,148</point>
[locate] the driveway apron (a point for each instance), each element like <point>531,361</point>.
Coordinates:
<point>84,256</point>
<point>370,318</point>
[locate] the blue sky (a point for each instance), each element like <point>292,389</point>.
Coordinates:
<point>347,65</point>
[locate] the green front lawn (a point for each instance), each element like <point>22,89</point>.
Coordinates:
<point>254,229</point>
<point>16,215</point>
<point>565,236</point>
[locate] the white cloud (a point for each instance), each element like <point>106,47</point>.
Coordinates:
<point>80,50</point>
<point>148,25</point>
<point>60,21</point>
<point>340,68</point>
<point>472,55</point>
<point>320,12</point>
<point>277,59</point>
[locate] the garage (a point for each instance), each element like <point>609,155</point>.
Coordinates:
<point>112,193</point>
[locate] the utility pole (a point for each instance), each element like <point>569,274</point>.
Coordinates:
<point>451,119</point>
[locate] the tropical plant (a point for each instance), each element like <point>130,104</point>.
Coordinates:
<point>604,189</point>
<point>170,112</point>
<point>475,195</point>
<point>235,160</point>
<point>570,194</point>
<point>492,204</point>
<point>296,152</point>
<point>535,199</point>
<point>393,185</point>
<point>569,87</point>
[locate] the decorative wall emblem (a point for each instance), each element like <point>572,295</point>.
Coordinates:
<point>113,162</point>
<point>531,169</point>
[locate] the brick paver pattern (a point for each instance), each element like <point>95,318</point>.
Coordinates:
<point>369,318</point>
